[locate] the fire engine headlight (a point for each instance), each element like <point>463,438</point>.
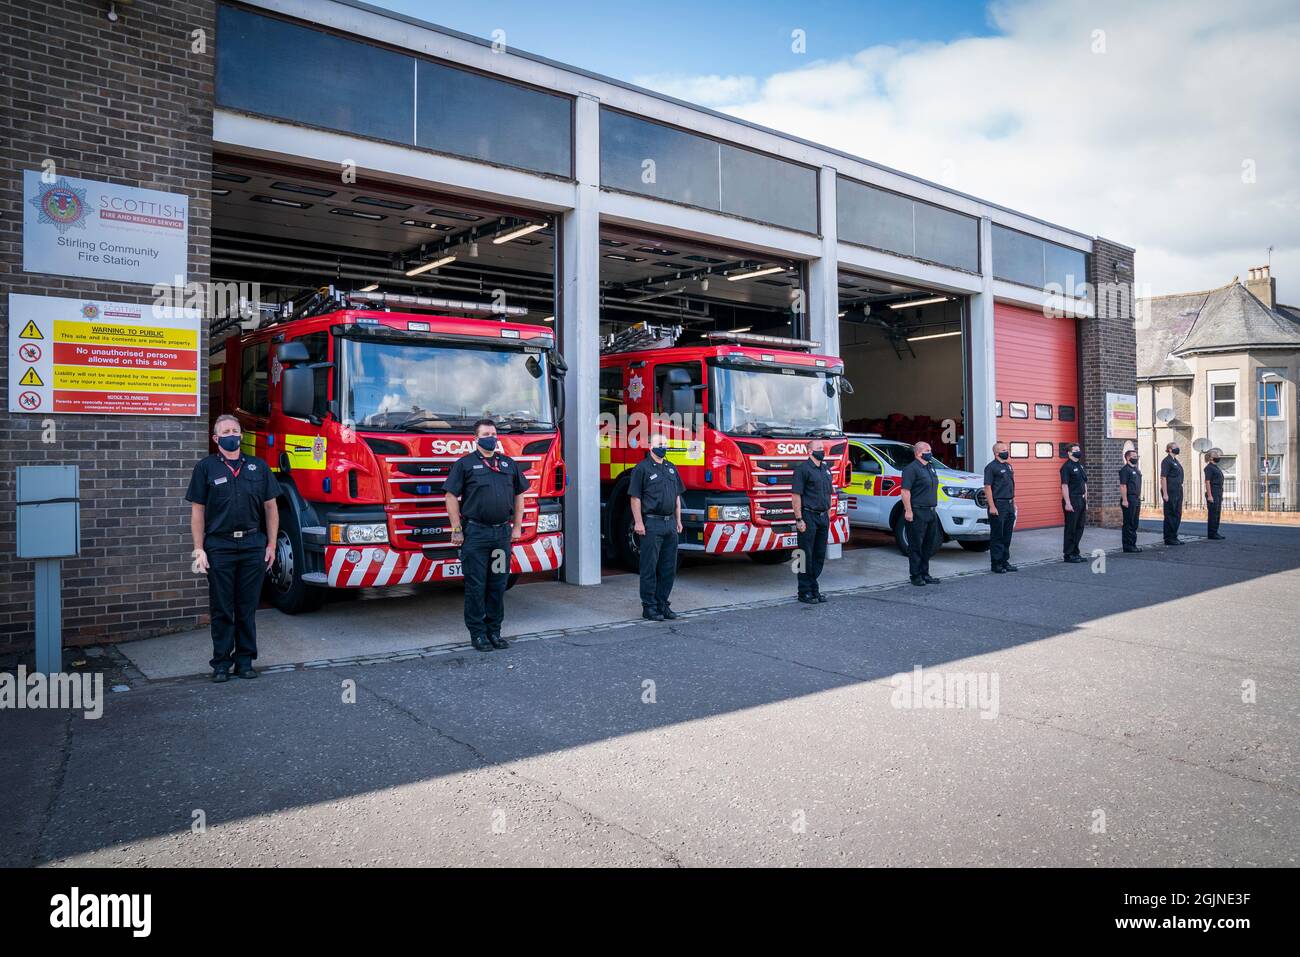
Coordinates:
<point>548,522</point>
<point>958,491</point>
<point>358,534</point>
<point>728,513</point>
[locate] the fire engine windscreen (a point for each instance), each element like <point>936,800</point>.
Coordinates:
<point>774,402</point>
<point>426,388</point>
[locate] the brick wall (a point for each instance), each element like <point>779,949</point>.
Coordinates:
<point>1107,363</point>
<point>130,103</point>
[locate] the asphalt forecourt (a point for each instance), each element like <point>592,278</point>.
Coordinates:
<point>387,624</point>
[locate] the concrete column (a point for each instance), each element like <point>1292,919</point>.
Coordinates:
<point>981,423</point>
<point>579,324</point>
<point>823,293</point>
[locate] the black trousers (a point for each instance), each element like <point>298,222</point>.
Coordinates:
<point>235,574</point>
<point>922,539</point>
<point>1001,527</point>
<point>812,543</point>
<point>1129,532</point>
<point>1173,516</point>
<point>658,560</point>
<point>1074,525</point>
<point>485,562</point>
<point>1213,511</point>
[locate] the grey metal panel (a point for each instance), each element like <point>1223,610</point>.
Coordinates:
<point>49,515</point>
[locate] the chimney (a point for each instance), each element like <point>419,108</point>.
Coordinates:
<point>1263,286</point>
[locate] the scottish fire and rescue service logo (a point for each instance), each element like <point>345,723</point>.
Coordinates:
<point>90,311</point>
<point>635,387</point>
<point>61,205</point>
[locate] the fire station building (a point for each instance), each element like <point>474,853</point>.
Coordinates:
<point>296,144</point>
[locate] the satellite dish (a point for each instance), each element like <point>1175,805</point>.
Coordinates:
<point>1165,415</point>
<point>1129,446</point>
<point>1202,445</point>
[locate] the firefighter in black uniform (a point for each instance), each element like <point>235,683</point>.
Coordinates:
<point>656,493</point>
<point>1000,490</point>
<point>1171,492</point>
<point>1074,500</point>
<point>1130,499</point>
<point>811,486</point>
<point>486,488</point>
<point>920,498</point>
<point>1213,494</point>
<point>233,522</point>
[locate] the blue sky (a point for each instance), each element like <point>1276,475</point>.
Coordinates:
<point>634,38</point>
<point>1167,125</point>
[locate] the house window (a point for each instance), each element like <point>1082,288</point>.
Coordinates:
<point>1270,400</point>
<point>1270,475</point>
<point>1223,400</point>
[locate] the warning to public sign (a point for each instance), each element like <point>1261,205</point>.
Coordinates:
<point>1121,416</point>
<point>102,358</point>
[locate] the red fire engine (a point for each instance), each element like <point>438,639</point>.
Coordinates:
<point>362,412</point>
<point>738,413</point>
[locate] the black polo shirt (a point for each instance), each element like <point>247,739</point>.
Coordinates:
<point>812,483</point>
<point>1171,470</point>
<point>486,486</point>
<point>233,493</point>
<point>1131,478</point>
<point>1000,478</point>
<point>922,482</point>
<point>1074,477</point>
<point>1214,475</point>
<point>657,485</point>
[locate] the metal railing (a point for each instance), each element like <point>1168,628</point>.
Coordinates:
<point>1235,499</point>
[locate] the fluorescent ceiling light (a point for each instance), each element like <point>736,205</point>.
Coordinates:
<point>430,265</point>
<point>767,271</point>
<point>743,329</point>
<point>549,319</point>
<point>919,302</point>
<point>516,233</point>
<point>935,335</point>
<point>371,288</point>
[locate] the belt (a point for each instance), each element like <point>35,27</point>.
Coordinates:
<point>817,511</point>
<point>239,534</point>
<point>1009,498</point>
<point>474,521</point>
<point>661,515</point>
<point>914,507</point>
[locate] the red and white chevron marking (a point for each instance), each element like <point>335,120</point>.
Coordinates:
<point>840,530</point>
<point>725,538</point>
<point>378,566</point>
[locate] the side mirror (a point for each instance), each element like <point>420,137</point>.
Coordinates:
<point>846,387</point>
<point>298,392</point>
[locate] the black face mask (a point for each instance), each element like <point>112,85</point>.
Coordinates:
<point>926,456</point>
<point>1004,456</point>
<point>1133,460</point>
<point>230,443</point>
<point>818,455</point>
<point>1175,451</point>
<point>1215,460</point>
<point>487,443</point>
<point>658,451</point>
<point>1076,455</point>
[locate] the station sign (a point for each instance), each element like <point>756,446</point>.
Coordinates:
<point>1121,416</point>
<point>86,357</point>
<point>92,230</point>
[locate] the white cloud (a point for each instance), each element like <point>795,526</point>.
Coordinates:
<point>1143,143</point>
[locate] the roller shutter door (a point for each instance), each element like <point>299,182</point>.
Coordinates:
<point>1038,388</point>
